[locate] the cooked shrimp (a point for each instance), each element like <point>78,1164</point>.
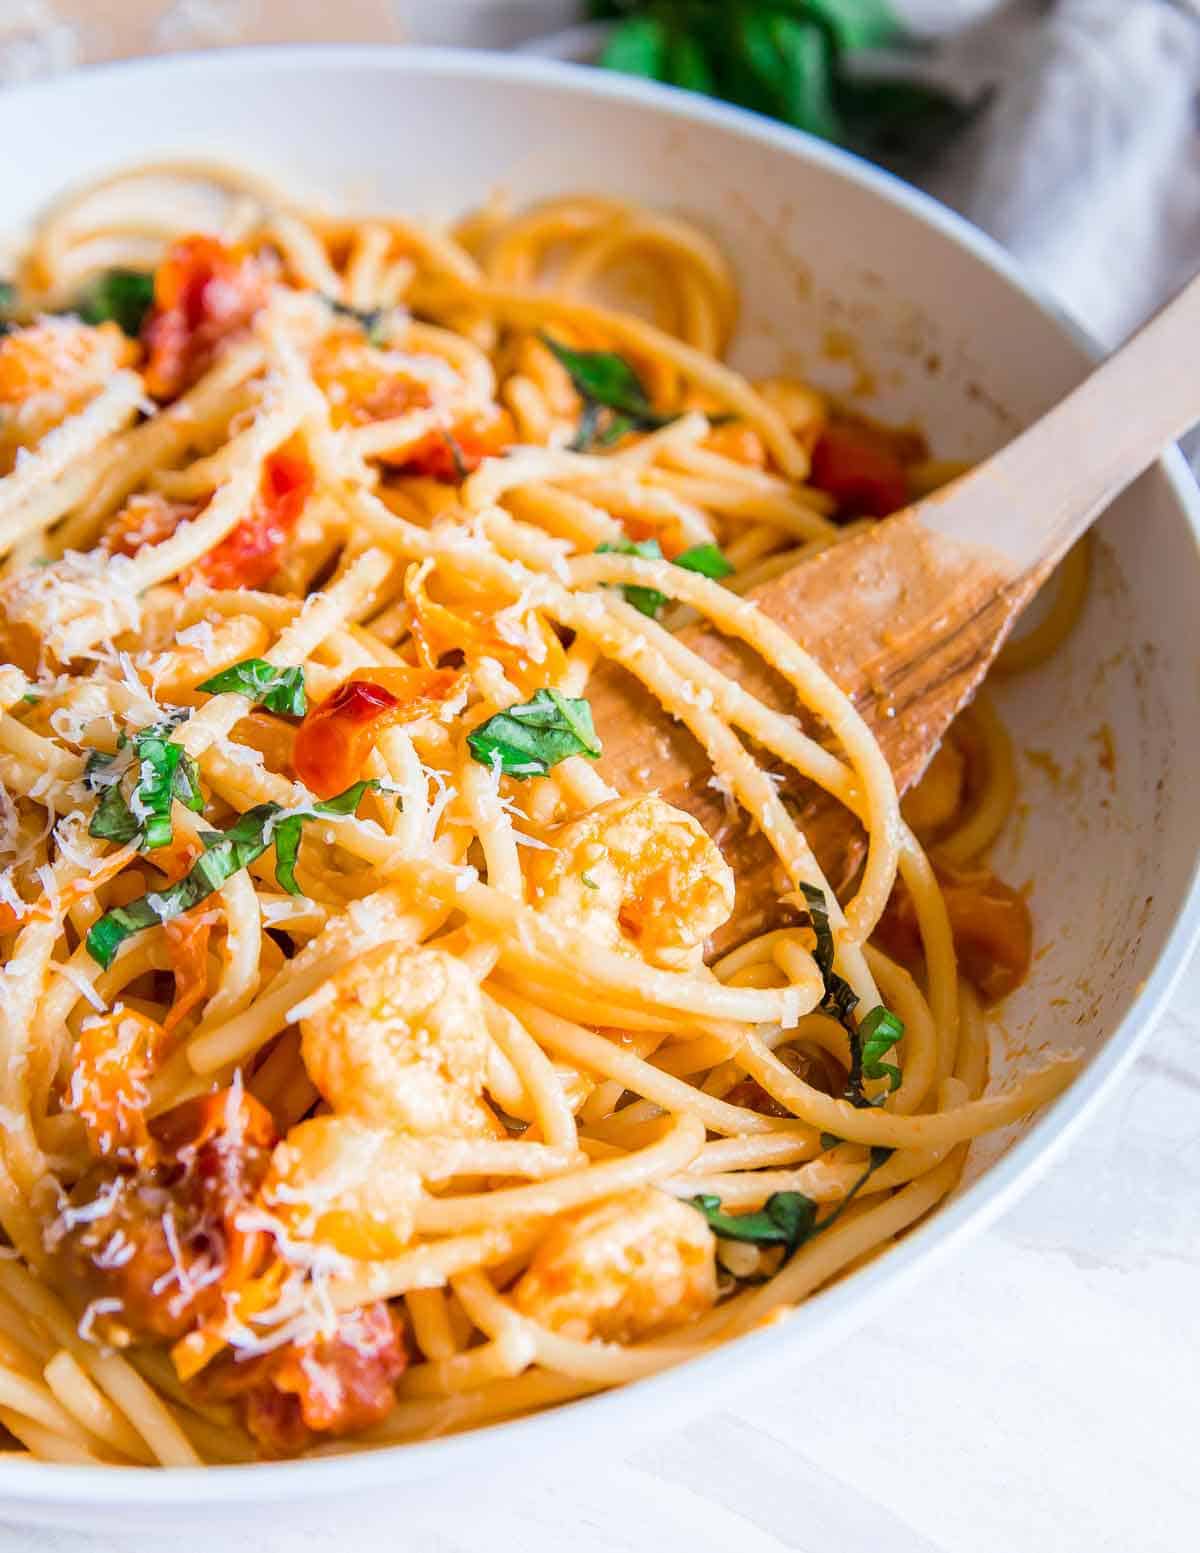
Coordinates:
<point>400,1039</point>
<point>629,1267</point>
<point>346,1184</point>
<point>637,874</point>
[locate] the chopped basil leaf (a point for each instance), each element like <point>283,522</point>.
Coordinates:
<point>785,1219</point>
<point>589,881</point>
<point>288,831</point>
<point>705,559</point>
<point>31,698</point>
<point>113,819</point>
<point>614,397</point>
<point>526,741</point>
<point>123,297</point>
<point>648,600</point>
<point>279,690</point>
<point>165,772</point>
<point>878,1032</point>
<point>8,300</point>
<point>881,1027</point>
<point>374,321</point>
<point>225,854</point>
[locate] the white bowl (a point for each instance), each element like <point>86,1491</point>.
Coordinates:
<point>946,331</point>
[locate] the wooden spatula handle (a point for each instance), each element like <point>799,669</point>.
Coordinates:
<point>1032,500</point>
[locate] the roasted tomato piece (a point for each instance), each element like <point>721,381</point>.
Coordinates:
<point>991,924</point>
<point>165,1241</point>
<point>204,291</point>
<point>146,520</point>
<point>115,1056</point>
<point>332,1385</point>
<point>450,456</point>
<point>855,464</point>
<point>336,737</point>
<point>519,638</point>
<point>250,555</point>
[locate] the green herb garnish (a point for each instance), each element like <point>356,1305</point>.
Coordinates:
<point>164,772</point>
<point>226,853</point>
<point>787,1219</point>
<point>705,559</point>
<point>795,60</point>
<point>878,1032</point>
<point>614,397</point>
<point>526,741</point>
<point>648,600</point>
<point>374,321</point>
<point>880,1026</point>
<point>287,832</point>
<point>279,690</point>
<point>122,297</point>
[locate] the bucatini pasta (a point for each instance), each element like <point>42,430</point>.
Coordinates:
<point>366,1068</point>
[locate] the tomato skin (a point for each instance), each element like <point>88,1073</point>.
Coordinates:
<point>335,1384</point>
<point>485,436</point>
<point>249,556</point>
<point>859,471</point>
<point>336,737</point>
<point>204,291</point>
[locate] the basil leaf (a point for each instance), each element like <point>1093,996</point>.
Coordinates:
<point>165,772</point>
<point>375,322</point>
<point>279,690</point>
<point>606,383</point>
<point>113,819</point>
<point>287,832</point>
<point>123,297</point>
<point>785,1219</point>
<point>648,600</point>
<point>637,47</point>
<point>878,1032</point>
<point>602,377</point>
<point>526,741</point>
<point>226,852</point>
<point>705,559</point>
<point>880,1026</point>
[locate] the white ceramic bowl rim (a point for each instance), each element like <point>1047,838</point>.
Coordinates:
<point>843,1306</point>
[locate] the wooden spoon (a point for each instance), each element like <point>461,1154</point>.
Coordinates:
<point>908,615</point>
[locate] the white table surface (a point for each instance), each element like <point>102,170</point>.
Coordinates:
<point>1038,1393</point>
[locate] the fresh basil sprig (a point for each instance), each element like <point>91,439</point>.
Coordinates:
<point>614,397</point>
<point>278,689</point>
<point>705,559</point>
<point>880,1027</point>
<point>123,297</point>
<point>226,852</point>
<point>795,60</point>
<point>787,1219</point>
<point>165,772</point>
<point>526,741</point>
